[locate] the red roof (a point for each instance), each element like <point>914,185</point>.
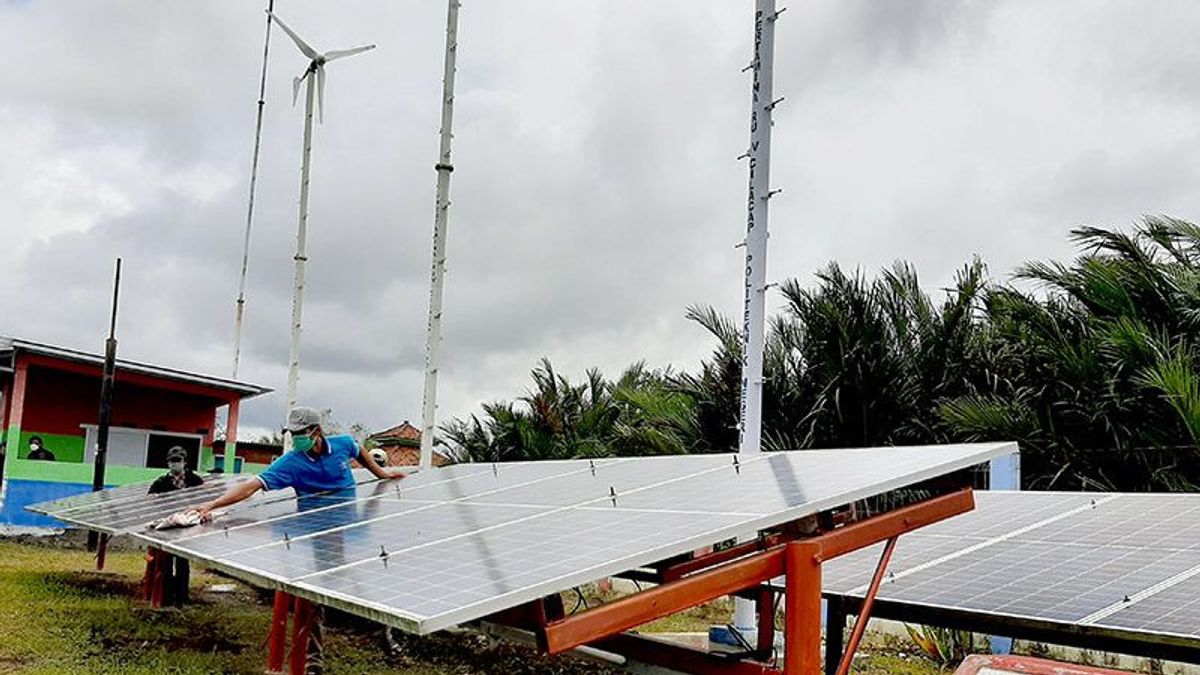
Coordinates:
<point>402,443</point>
<point>397,434</point>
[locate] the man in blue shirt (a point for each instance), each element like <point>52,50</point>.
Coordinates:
<point>316,463</point>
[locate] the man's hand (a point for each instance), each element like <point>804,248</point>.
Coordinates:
<point>205,511</point>
<point>395,472</point>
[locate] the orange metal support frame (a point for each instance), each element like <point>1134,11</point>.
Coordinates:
<point>155,581</point>
<point>302,614</point>
<point>800,560</point>
<point>860,627</point>
<point>101,552</point>
<point>277,638</point>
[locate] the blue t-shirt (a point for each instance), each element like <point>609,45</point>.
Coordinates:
<point>308,474</point>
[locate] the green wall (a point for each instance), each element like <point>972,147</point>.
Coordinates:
<point>65,448</point>
<point>76,472</point>
<point>69,466</point>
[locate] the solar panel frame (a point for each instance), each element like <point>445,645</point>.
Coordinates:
<point>1167,569</point>
<point>957,457</point>
<point>83,509</point>
<point>130,493</point>
<point>673,499</point>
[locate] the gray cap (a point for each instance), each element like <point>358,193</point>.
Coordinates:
<point>301,418</point>
<point>176,452</point>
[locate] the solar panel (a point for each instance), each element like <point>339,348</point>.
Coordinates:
<point>1173,610</point>
<point>1121,561</point>
<point>129,507</point>
<point>995,515</point>
<point>455,544</point>
<point>125,494</point>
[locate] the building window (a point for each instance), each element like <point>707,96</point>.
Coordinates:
<point>140,447</point>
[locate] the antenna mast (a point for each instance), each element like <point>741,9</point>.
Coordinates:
<point>100,459</point>
<point>755,283</point>
<point>441,213</point>
<point>241,297</point>
<point>240,303</point>
<point>754,287</point>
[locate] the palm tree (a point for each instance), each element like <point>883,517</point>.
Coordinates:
<point>1104,360</point>
<point>1094,373</point>
<point>637,414</point>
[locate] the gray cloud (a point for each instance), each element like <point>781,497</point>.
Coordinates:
<point>595,194</point>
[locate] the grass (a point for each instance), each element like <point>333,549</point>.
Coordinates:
<point>57,614</point>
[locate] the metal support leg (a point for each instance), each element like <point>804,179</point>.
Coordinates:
<point>156,576</point>
<point>765,603</point>
<point>277,638</point>
<point>301,618</point>
<point>835,634</point>
<point>802,607</point>
<point>101,552</point>
<point>864,614</point>
<point>148,579</point>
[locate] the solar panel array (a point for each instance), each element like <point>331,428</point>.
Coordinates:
<point>1129,562</point>
<point>458,543</point>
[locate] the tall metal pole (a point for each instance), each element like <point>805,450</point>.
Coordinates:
<point>231,443</point>
<point>106,392</point>
<point>241,296</point>
<point>301,256</point>
<point>754,285</point>
<point>441,213</point>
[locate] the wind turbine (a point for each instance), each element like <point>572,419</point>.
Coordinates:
<point>315,77</point>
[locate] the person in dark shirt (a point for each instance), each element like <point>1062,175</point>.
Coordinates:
<point>177,570</point>
<point>178,474</point>
<point>38,451</point>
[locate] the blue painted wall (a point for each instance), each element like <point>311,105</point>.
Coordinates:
<point>19,493</point>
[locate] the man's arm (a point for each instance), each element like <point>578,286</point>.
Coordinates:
<point>236,493</point>
<point>369,462</point>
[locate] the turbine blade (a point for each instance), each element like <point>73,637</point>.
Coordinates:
<point>321,94</point>
<point>304,48</point>
<point>296,82</point>
<point>341,53</point>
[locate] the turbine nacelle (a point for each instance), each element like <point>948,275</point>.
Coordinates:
<point>316,65</point>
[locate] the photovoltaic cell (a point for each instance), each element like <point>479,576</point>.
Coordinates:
<point>1121,561</point>
<point>85,503</point>
<point>1174,611</point>
<point>455,544</point>
<point>459,579</point>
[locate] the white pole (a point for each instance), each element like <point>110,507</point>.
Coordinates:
<point>441,213</point>
<point>301,256</point>
<point>258,122</point>
<point>240,304</point>
<point>754,285</point>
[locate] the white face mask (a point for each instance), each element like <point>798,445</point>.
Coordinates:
<point>175,467</point>
<point>33,446</point>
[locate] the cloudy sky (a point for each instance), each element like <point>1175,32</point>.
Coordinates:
<point>596,194</point>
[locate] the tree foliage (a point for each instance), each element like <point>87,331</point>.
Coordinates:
<point>1090,365</point>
